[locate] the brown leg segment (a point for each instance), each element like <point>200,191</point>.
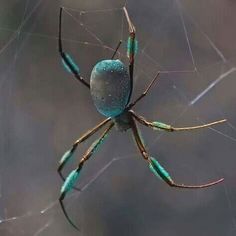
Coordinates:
<point>70,181</point>
<point>94,146</point>
<point>162,126</point>
<point>138,140</point>
<point>158,170</point>
<point>132,35</point>
<point>77,142</point>
<point>144,93</point>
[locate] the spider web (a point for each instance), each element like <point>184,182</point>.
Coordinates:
<point>44,110</point>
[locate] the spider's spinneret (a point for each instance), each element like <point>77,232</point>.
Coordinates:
<point>110,87</point>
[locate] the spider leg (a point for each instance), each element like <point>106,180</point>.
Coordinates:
<point>156,167</point>
<point>66,58</point>
<point>158,125</point>
<point>144,93</point>
<point>132,47</point>
<point>69,154</point>
<point>116,50</point>
<point>138,140</point>
<point>74,175</point>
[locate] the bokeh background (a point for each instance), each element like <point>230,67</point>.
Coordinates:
<point>43,109</point>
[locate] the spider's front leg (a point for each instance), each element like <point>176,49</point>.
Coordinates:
<point>161,126</point>
<point>132,46</point>
<point>74,175</point>
<point>67,60</point>
<point>132,43</point>
<point>156,167</point>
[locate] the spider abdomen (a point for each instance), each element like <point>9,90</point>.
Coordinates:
<point>110,87</point>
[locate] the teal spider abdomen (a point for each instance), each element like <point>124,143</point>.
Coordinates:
<point>110,87</point>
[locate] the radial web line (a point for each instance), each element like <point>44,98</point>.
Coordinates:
<point>210,41</point>
<point>75,194</point>
<point>213,84</point>
<point>186,33</point>
<point>20,27</point>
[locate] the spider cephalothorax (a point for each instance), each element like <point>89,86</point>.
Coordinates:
<point>111,85</point>
<point>123,121</point>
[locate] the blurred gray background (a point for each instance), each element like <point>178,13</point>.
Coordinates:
<point>44,109</point>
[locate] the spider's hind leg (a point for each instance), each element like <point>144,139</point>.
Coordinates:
<point>156,167</point>
<point>69,154</point>
<point>74,175</point>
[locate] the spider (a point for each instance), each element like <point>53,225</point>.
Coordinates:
<point>111,85</point>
